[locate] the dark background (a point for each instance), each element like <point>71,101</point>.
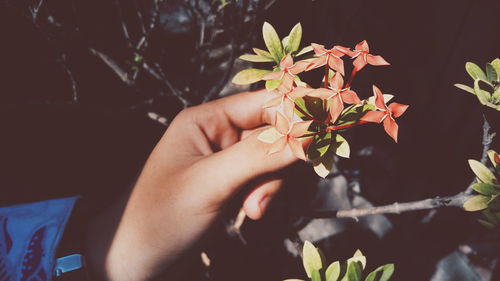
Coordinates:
<point>53,144</point>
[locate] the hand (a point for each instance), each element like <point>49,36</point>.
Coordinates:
<point>207,154</point>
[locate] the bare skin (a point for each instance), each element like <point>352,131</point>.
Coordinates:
<point>206,156</point>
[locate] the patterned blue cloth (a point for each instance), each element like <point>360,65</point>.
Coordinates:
<point>29,235</point>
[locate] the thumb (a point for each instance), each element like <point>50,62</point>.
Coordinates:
<point>234,166</point>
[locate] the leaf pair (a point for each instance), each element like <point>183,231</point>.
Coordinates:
<point>351,270</point>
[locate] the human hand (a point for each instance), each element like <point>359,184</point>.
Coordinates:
<point>207,154</point>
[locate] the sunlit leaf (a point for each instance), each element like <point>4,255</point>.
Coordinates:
<point>382,273</point>
<point>315,275</point>
<point>324,165</point>
<point>353,113</point>
<point>496,65</point>
<point>465,88</point>
<point>475,71</point>
<point>294,38</point>
<point>249,76</point>
<point>272,84</point>
<point>319,146</point>
<point>273,42</point>
<point>262,53</point>
<point>333,271</point>
<point>481,171</point>
<point>304,50</point>
<point>476,203</point>
<point>482,95</point>
<point>341,147</point>
<point>358,256</point>
<point>311,258</point>
<point>255,58</point>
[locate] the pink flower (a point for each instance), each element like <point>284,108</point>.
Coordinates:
<point>287,98</point>
<point>337,94</point>
<point>290,136</point>
<point>330,57</point>
<point>385,114</point>
<point>362,56</point>
<point>288,71</point>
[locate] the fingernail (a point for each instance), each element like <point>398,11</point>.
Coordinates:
<point>264,203</point>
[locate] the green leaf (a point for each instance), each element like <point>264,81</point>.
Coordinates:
<point>353,113</point>
<point>249,76</point>
<point>494,202</point>
<point>262,53</point>
<point>273,42</point>
<point>312,106</point>
<point>304,50</point>
<point>272,84</point>
<point>354,271</point>
<point>284,41</point>
<point>486,188</point>
<point>476,203</point>
<point>324,165</point>
<point>481,171</point>
<point>255,58</point>
<point>491,74</point>
<point>311,258</point>
<point>496,65</point>
<point>333,271</point>
<point>358,256</point>
<point>475,71</point>
<point>465,88</point>
<point>294,38</point>
<point>269,135</point>
<point>486,224</point>
<point>341,147</point>
<point>382,273</point>
<point>315,275</point>
<point>319,146</point>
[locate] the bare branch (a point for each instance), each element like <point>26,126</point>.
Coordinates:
<point>71,78</point>
<point>396,208</point>
<point>487,140</point>
<point>122,74</point>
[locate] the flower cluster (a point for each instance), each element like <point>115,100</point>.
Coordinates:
<point>313,118</point>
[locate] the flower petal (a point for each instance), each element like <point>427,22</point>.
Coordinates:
<point>376,60</point>
<point>336,82</point>
<point>336,63</point>
<point>273,76</point>
<point>379,98</point>
<point>343,50</point>
<point>277,146</point>
<point>318,62</point>
<point>321,93</point>
<point>288,107</point>
<point>359,62</point>
<point>300,128</point>
<point>286,62</point>
<point>273,102</point>
<point>391,128</point>
<point>362,46</point>
<point>287,82</point>
<point>299,67</point>
<point>397,109</point>
<point>350,97</point>
<point>318,49</point>
<point>336,107</point>
<point>297,149</point>
<point>373,116</point>
<point>299,92</point>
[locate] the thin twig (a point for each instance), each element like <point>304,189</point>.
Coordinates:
<point>487,140</point>
<point>70,77</point>
<point>395,208</point>
<point>122,74</point>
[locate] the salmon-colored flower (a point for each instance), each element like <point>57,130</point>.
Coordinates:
<point>385,114</point>
<point>362,56</point>
<point>330,57</point>
<point>290,136</point>
<point>287,72</point>
<point>287,98</point>
<point>337,95</point>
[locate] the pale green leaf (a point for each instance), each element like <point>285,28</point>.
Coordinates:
<point>358,256</point>
<point>255,58</point>
<point>304,50</point>
<point>496,65</point>
<point>486,188</point>
<point>333,271</point>
<point>284,41</point>
<point>294,38</point>
<point>382,273</point>
<point>270,135</point>
<point>262,53</point>
<point>475,71</point>
<point>249,76</point>
<point>481,94</point>
<point>273,42</point>
<point>491,74</point>
<point>311,258</point>
<point>341,147</point>
<point>481,171</point>
<point>476,203</point>
<point>315,275</point>
<point>465,88</point>
<point>272,84</point>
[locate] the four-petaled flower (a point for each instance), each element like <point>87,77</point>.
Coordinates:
<point>362,56</point>
<point>287,72</point>
<point>337,95</point>
<point>287,98</point>
<point>385,114</point>
<point>289,136</point>
<point>330,57</point>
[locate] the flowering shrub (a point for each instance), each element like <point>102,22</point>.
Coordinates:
<point>351,270</point>
<point>314,118</point>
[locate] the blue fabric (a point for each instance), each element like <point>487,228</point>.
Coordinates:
<point>29,235</point>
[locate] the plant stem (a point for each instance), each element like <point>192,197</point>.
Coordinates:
<point>325,82</point>
<point>351,78</point>
<point>335,128</point>
<point>456,200</point>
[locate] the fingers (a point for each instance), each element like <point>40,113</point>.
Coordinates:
<point>256,203</point>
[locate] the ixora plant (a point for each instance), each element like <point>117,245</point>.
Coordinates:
<point>351,270</point>
<point>316,116</point>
